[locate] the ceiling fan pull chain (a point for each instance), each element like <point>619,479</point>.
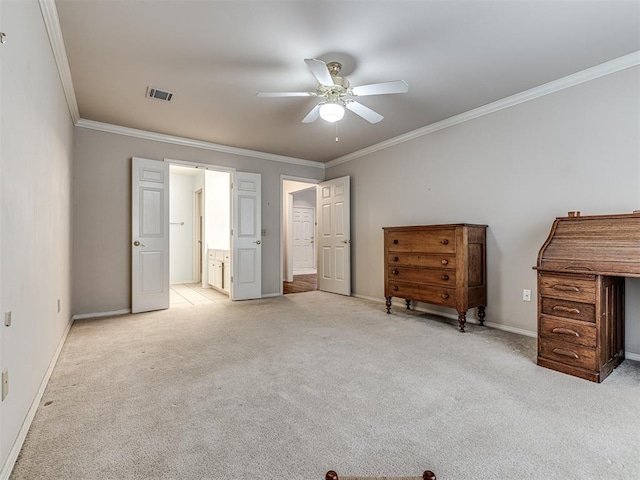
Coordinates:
<point>336,124</point>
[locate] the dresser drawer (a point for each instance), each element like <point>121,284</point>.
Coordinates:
<point>566,331</point>
<point>428,241</point>
<point>422,293</point>
<point>579,289</point>
<point>422,260</point>
<point>568,353</point>
<point>422,275</point>
<point>562,308</point>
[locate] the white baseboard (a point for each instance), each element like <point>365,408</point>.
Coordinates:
<point>632,356</point>
<point>26,424</point>
<point>82,316</point>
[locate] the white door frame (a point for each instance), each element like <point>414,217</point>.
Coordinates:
<point>198,251</point>
<point>284,206</point>
<point>205,166</point>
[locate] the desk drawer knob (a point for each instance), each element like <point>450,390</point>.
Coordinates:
<point>395,288</point>
<point>566,353</point>
<point>445,242</point>
<point>395,241</point>
<point>445,295</point>
<point>395,259</point>
<point>445,277</point>
<point>445,262</point>
<point>565,331</point>
<point>395,271</point>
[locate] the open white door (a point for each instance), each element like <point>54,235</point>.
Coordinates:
<point>246,245</point>
<point>150,235</point>
<point>334,236</point>
<point>303,238</point>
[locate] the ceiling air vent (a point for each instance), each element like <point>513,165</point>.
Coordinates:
<point>159,94</point>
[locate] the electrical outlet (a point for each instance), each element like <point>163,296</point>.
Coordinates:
<point>526,295</point>
<point>5,384</point>
<point>7,319</point>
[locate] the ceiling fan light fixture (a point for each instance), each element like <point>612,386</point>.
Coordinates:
<point>331,112</point>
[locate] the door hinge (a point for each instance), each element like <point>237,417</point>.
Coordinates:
<point>232,232</point>
<point>232,279</point>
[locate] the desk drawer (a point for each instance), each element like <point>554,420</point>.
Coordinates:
<point>422,260</point>
<point>579,289</point>
<point>422,275</point>
<point>568,353</point>
<point>422,293</point>
<point>429,241</point>
<point>574,310</point>
<point>566,331</point>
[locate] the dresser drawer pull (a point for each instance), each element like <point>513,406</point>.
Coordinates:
<point>565,331</point>
<point>395,271</point>
<point>445,262</point>
<point>445,295</point>
<point>579,268</point>
<point>445,277</point>
<point>395,288</point>
<point>560,308</point>
<point>566,288</point>
<point>445,242</point>
<point>395,241</point>
<point>566,353</point>
<point>395,259</point>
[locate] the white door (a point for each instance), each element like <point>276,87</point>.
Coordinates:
<point>303,233</point>
<point>150,235</point>
<point>246,243</point>
<point>334,236</point>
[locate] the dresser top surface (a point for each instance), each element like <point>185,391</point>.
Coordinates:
<point>421,227</point>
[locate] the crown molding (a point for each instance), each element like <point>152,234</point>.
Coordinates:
<point>613,66</point>
<point>52,24</point>
<point>187,142</point>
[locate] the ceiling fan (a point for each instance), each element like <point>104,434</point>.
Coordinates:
<point>338,93</point>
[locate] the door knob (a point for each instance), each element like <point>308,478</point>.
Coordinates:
<point>137,244</point>
<point>257,242</point>
<point>346,241</point>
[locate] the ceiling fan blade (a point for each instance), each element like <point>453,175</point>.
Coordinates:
<point>287,94</point>
<point>365,112</point>
<point>399,86</point>
<point>320,71</point>
<point>313,115</point>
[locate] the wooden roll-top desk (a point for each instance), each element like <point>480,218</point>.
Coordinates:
<point>581,269</point>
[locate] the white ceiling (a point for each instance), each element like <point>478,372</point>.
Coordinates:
<point>216,55</point>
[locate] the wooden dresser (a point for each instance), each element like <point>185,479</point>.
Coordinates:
<point>437,264</point>
<point>581,269</point>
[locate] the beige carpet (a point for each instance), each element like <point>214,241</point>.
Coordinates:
<point>293,386</point>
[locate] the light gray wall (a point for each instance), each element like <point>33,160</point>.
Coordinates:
<point>306,198</point>
<point>514,170</point>
<point>102,212</point>
<point>181,236</point>
<point>36,147</point>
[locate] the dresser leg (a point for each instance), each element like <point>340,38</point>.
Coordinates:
<point>408,302</point>
<point>481,315</point>
<point>462,319</point>
<point>388,304</point>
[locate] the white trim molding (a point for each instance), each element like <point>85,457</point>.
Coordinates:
<point>187,142</point>
<point>26,424</point>
<point>82,316</point>
<point>607,68</point>
<point>52,24</point>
